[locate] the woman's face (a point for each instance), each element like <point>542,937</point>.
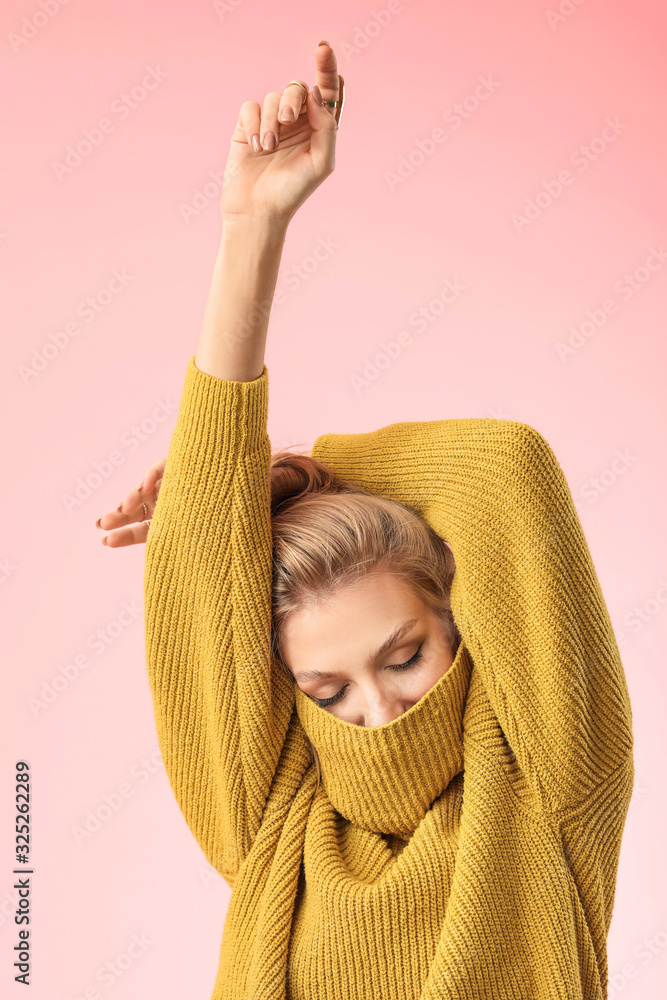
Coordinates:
<point>368,654</point>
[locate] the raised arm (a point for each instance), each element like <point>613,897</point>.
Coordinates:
<point>221,707</point>
<point>525,594</point>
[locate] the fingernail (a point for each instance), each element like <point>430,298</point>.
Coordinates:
<point>104,540</point>
<point>140,486</point>
<point>323,43</point>
<point>120,508</point>
<point>97,523</point>
<point>317,94</point>
<point>269,141</point>
<point>286,115</point>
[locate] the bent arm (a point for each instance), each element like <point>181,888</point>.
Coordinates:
<point>221,710</point>
<point>525,594</point>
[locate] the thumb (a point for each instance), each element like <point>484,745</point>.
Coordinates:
<point>323,138</point>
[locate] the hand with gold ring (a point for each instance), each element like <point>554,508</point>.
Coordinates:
<point>275,164</point>
<point>130,522</point>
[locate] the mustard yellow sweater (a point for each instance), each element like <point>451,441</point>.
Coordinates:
<point>469,848</point>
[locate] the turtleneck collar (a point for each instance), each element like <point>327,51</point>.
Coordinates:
<point>385,778</point>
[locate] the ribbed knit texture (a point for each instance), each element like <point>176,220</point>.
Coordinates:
<point>467,850</point>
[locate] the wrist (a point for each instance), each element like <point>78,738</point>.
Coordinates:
<point>255,226</point>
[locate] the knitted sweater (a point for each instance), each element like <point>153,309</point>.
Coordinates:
<point>468,849</point>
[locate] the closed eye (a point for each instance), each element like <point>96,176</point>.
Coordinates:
<point>325,702</point>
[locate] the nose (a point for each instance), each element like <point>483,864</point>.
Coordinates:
<point>381,709</point>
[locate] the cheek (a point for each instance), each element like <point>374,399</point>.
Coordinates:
<point>425,679</point>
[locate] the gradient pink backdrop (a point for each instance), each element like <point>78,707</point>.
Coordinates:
<point>557,80</point>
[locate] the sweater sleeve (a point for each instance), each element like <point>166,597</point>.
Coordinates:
<point>525,594</point>
<point>221,709</point>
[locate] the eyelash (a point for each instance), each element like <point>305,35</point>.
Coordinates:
<point>325,702</point>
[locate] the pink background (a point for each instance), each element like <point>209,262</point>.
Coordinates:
<point>554,83</point>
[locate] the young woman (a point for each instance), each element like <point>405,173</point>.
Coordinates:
<point>410,758</point>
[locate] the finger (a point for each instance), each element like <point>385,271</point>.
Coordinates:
<point>152,477</point>
<point>269,133</point>
<point>132,534</point>
<point>247,125</point>
<point>131,504</point>
<point>115,519</point>
<point>322,138</point>
<point>134,500</point>
<point>119,518</point>
<point>128,507</point>
<point>146,488</point>
<point>326,73</point>
<point>137,506</point>
<point>292,100</point>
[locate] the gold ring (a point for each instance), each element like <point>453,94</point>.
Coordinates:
<point>338,105</point>
<point>298,85</point>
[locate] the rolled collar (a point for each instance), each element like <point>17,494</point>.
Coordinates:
<point>385,778</point>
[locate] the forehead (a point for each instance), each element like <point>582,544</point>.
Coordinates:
<point>351,624</point>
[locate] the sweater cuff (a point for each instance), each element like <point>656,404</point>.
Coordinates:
<point>224,416</point>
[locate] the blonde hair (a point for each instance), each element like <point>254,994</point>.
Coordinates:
<point>328,533</point>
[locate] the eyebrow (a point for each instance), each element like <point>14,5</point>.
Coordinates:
<point>391,641</point>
